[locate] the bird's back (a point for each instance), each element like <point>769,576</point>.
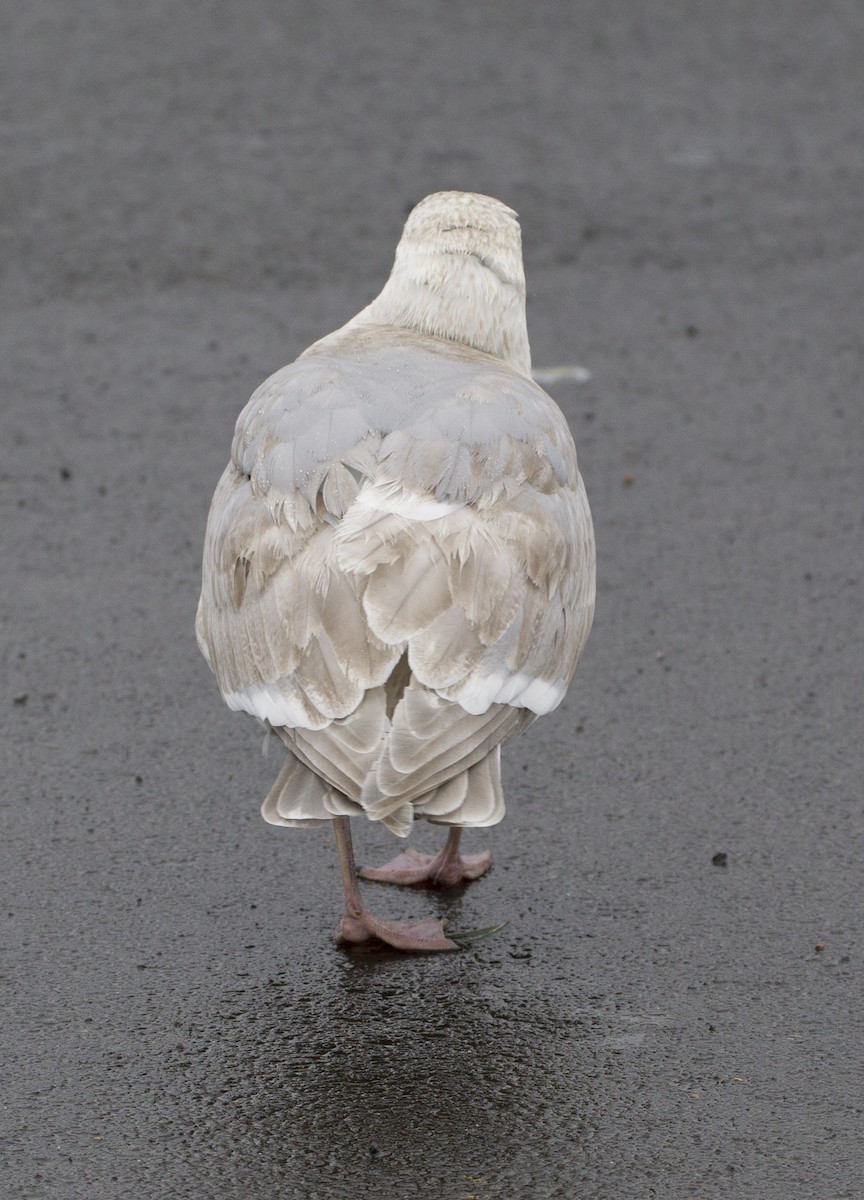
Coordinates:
<point>399,510</point>
<point>399,559</point>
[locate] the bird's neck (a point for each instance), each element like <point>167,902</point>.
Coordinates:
<point>460,297</point>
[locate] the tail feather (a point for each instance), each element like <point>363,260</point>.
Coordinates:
<point>300,797</point>
<point>474,798</point>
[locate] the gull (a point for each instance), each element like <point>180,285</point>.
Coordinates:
<point>399,566</point>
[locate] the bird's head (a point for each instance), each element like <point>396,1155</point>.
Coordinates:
<point>461,226</point>
<point>458,275</point>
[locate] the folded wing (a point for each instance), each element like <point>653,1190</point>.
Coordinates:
<point>398,575</point>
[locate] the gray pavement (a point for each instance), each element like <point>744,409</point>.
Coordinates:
<point>193,193</point>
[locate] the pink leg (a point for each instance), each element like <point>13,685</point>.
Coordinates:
<point>359,925</point>
<point>445,869</point>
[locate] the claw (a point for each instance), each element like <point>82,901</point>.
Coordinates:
<point>467,937</point>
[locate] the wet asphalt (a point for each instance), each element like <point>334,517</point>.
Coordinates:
<point>192,194</point>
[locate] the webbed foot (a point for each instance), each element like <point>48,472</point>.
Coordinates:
<point>444,869</point>
<point>357,928</point>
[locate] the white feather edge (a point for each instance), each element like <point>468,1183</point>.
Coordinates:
<point>515,688</point>
<point>392,497</point>
<point>266,702</point>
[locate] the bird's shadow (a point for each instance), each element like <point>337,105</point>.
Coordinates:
<point>412,1063</point>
